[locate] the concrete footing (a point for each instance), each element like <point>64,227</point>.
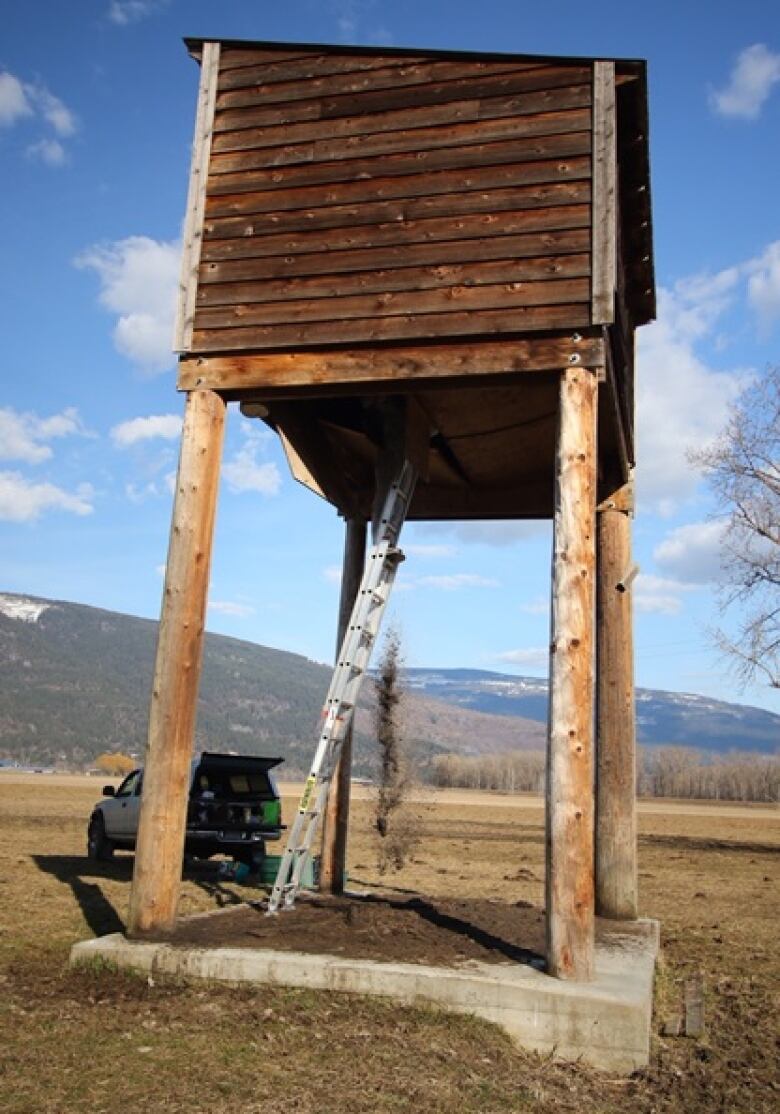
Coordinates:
<point>605,1023</point>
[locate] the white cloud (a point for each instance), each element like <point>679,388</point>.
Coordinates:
<point>23,501</point>
<point>53,110</point>
<point>19,100</point>
<point>490,533</point>
<point>347,14</point>
<point>24,436</point>
<point>227,607</point>
<point>124,12</point>
<point>244,472</point>
<point>682,404</point>
<point>380,36</point>
<point>14,104</point>
<point>428,552</point>
<point>764,284</point>
<point>455,581</point>
<point>139,494</point>
<point>138,282</point>
<point>659,595</point>
<point>535,657</point>
<point>350,17</point>
<point>165,426</point>
<point>691,554</point>
<point>755,72</point>
<point>49,151</point>
<point>539,606</point>
<point>332,573</point>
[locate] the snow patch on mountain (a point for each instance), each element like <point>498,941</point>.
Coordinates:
<point>17,607</point>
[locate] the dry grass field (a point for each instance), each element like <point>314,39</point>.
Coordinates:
<point>101,1041</point>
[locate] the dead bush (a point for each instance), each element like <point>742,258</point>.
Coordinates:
<point>394,822</point>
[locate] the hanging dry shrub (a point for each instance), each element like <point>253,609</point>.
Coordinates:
<point>394,824</point>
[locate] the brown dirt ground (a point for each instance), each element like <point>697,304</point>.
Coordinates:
<point>110,1043</point>
<point>386,927</point>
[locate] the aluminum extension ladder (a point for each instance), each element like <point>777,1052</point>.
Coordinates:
<point>353,660</point>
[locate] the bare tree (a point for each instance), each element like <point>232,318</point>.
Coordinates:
<point>392,822</point>
<point>661,772</point>
<point>743,469</point>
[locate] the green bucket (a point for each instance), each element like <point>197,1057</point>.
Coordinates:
<point>269,867</point>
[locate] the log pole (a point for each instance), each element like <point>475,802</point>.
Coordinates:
<point>569,813</point>
<point>616,861</point>
<point>160,845</point>
<point>336,828</point>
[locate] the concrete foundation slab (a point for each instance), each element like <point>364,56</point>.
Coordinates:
<point>605,1023</point>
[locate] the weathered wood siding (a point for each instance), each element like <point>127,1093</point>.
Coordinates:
<point>361,198</point>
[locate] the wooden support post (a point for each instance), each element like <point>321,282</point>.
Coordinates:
<point>160,846</point>
<point>569,819</point>
<point>616,871</point>
<point>334,835</point>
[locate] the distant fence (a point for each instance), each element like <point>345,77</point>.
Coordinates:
<point>661,772</point>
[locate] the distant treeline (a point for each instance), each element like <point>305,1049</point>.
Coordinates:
<point>661,772</point>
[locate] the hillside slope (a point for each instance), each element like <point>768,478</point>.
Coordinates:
<point>75,681</point>
<point>663,718</point>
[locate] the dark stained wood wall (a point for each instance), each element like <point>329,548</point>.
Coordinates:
<point>358,198</point>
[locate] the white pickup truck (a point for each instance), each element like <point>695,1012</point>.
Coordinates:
<point>233,808</point>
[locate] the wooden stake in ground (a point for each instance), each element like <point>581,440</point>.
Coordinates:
<point>616,871</point>
<point>160,846</point>
<point>334,836</point>
<point>569,816</point>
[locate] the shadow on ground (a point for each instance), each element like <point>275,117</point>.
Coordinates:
<point>84,875</point>
<point>696,843</point>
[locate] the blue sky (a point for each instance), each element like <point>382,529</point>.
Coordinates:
<point>97,101</point>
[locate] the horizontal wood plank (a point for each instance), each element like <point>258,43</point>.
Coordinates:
<point>234,57</point>
<point>552,107</point>
<point>402,278</point>
<point>544,79</point>
<point>451,136</point>
<point>247,130</point>
<point>467,227</point>
<point>478,323</point>
<point>404,186</point>
<point>503,95</point>
<point>538,152</point>
<point>395,303</point>
<point>542,135</point>
<point>311,65</point>
<point>316,88</point>
<point>407,364</point>
<point>330,65</point>
<point>381,212</point>
<point>437,253</point>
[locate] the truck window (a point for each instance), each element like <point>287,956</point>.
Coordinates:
<point>130,785</point>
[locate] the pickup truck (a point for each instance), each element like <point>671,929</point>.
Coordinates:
<point>233,808</point>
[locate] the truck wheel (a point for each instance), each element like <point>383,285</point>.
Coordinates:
<point>99,846</point>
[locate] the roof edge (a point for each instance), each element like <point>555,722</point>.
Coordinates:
<point>194,45</point>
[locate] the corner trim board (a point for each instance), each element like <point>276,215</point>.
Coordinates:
<point>196,198</point>
<point>604,230</point>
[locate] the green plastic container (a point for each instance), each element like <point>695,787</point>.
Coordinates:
<point>270,866</point>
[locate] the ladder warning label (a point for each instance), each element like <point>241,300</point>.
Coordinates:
<point>307,792</point>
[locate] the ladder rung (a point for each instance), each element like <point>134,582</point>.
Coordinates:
<point>366,615</point>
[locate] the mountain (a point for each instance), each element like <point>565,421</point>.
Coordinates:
<point>663,718</point>
<point>75,681</point>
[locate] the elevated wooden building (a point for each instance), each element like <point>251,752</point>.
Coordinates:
<point>443,254</point>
